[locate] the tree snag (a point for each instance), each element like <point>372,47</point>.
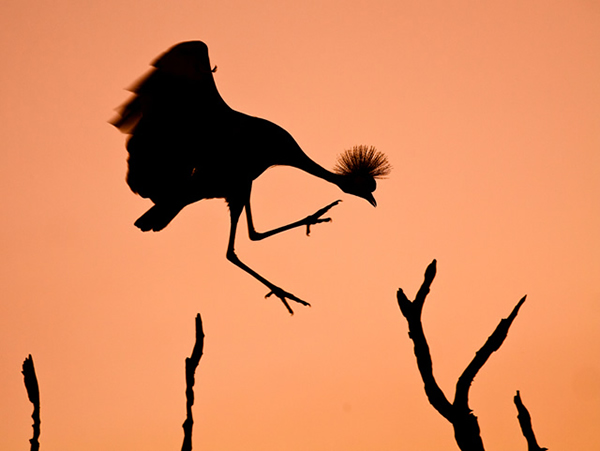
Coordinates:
<point>191,363</point>
<point>33,393</point>
<point>465,424</point>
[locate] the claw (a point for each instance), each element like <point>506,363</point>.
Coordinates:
<point>327,208</point>
<point>316,217</point>
<point>282,295</point>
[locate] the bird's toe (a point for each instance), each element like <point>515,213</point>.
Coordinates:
<point>284,296</point>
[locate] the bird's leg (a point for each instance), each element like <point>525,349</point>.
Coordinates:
<point>235,211</point>
<point>308,221</point>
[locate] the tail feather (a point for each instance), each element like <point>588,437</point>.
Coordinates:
<point>157,218</point>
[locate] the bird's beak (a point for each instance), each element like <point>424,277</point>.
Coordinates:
<point>371,199</point>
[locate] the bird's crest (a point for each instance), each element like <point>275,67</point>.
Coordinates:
<point>363,161</point>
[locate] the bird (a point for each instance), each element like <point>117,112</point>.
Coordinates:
<point>186,144</point>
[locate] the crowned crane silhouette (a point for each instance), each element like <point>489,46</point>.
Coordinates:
<point>186,144</point>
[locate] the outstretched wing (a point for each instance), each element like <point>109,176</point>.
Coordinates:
<point>172,109</point>
<point>180,85</point>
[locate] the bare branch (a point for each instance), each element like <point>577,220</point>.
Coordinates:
<point>412,312</point>
<point>525,423</point>
<point>191,363</point>
<point>33,393</point>
<point>493,343</point>
<point>415,308</point>
<point>466,427</point>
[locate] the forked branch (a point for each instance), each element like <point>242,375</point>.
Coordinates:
<point>458,413</point>
<point>412,312</point>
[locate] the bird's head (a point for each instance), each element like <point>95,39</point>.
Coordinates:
<point>359,168</point>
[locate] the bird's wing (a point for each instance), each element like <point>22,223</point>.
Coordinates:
<point>179,89</point>
<point>170,117</point>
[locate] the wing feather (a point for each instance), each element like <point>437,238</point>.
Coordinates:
<point>172,109</point>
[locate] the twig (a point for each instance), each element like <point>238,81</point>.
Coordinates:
<point>191,363</point>
<point>33,393</point>
<point>525,423</point>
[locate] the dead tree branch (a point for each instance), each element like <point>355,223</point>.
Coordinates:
<point>492,344</point>
<point>191,363</point>
<point>412,312</point>
<point>33,393</point>
<point>525,423</point>
<point>458,413</point>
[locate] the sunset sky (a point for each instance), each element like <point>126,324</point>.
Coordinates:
<point>489,113</point>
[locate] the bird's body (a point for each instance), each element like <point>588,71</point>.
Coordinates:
<point>187,144</point>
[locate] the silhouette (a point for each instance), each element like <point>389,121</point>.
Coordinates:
<point>191,363</point>
<point>465,424</point>
<point>186,144</point>
<point>525,423</point>
<point>33,393</point>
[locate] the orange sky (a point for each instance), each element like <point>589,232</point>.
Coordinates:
<point>489,113</point>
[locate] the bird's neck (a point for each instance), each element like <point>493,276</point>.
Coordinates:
<point>319,171</point>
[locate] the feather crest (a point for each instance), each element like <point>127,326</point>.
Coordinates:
<point>363,160</point>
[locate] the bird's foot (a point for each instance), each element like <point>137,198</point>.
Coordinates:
<point>316,217</point>
<point>284,295</point>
